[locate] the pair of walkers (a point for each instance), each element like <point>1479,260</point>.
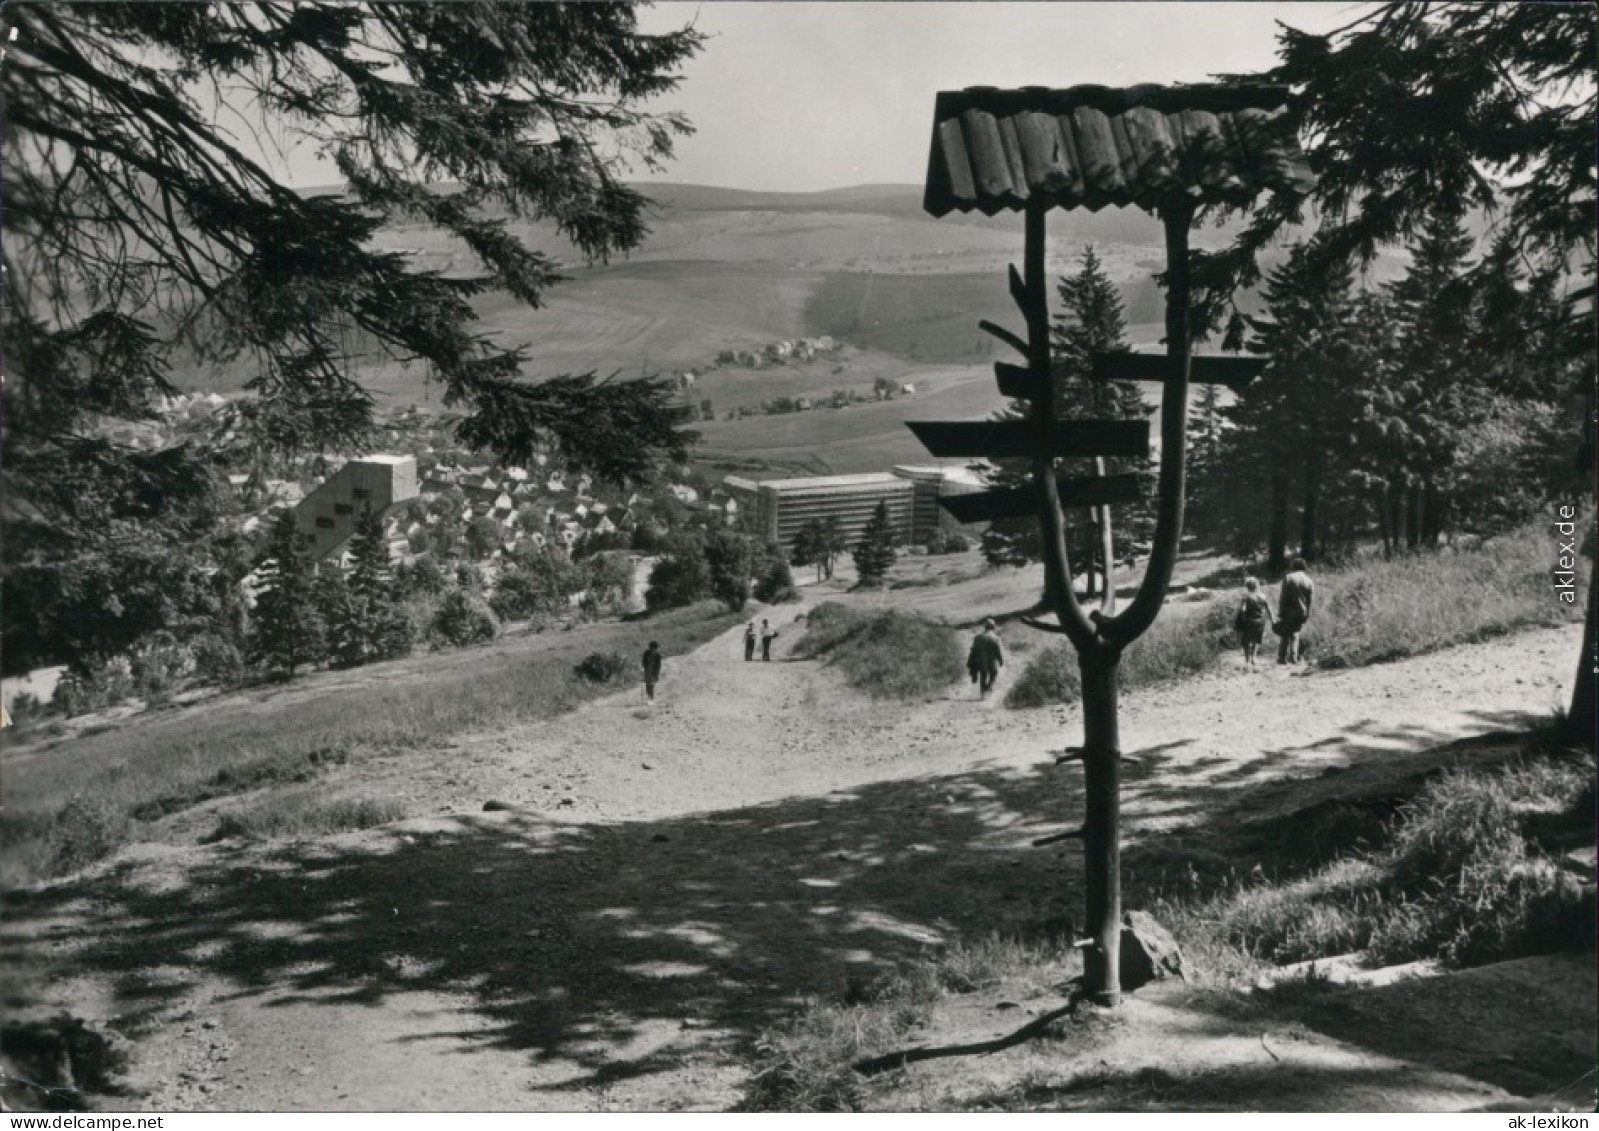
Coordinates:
<point>765,636</point>
<point>1289,620</point>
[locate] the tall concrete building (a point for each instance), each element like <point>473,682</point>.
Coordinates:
<point>327,515</point>
<point>778,508</point>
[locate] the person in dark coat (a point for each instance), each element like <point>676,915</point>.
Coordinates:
<point>985,659</point>
<point>1293,610</point>
<point>652,669</point>
<point>749,642</point>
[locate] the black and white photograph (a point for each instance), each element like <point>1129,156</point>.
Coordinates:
<point>798,557</point>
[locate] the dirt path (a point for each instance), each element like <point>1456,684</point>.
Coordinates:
<point>667,880</point>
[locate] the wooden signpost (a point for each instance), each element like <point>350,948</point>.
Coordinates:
<point>1170,151</point>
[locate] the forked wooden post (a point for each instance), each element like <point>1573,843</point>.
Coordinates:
<point>1169,151</point>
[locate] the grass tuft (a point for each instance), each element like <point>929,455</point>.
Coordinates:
<point>808,1063</point>
<point>890,655</point>
<point>300,814</point>
<point>1462,874</point>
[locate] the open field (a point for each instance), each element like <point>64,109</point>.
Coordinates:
<point>724,269</point>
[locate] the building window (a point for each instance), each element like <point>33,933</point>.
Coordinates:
<point>359,493</point>
<point>324,522</point>
<point>342,508</point>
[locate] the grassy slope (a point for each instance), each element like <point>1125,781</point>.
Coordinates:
<point>1365,613</point>
<point>62,799</point>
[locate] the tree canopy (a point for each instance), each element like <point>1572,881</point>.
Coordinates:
<point>145,223</point>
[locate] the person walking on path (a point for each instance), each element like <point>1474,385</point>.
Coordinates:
<point>1251,619</point>
<point>749,642</point>
<point>652,670</point>
<point>768,634</point>
<point>1293,610</point>
<point>985,659</point>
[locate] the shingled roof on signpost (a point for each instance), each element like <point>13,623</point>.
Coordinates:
<point>1088,146</point>
<point>1171,150</point>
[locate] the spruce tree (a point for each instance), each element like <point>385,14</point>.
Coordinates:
<point>289,630</point>
<point>363,616</point>
<point>876,552</point>
<point>1091,320</point>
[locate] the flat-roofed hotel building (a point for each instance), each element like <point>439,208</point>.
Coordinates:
<point>780,507</point>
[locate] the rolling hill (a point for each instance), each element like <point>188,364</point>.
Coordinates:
<point>728,269</point>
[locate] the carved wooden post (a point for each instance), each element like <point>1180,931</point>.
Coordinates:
<point>1168,151</point>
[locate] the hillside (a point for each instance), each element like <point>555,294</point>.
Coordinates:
<point>589,942</point>
<point>727,269</point>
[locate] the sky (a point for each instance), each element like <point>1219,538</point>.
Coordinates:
<point>800,96</point>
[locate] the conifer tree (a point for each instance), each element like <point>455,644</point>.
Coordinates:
<point>289,630</point>
<point>1091,320</point>
<point>876,551</point>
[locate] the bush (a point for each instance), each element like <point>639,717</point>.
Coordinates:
<point>1173,648</point>
<point>105,684</point>
<point>892,654</point>
<point>158,665</point>
<point>776,584</point>
<point>679,578</point>
<point>464,618</point>
<point>85,830</point>
<point>217,659</point>
<point>601,667</point>
<point>301,814</point>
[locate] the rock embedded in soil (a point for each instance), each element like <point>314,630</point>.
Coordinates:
<point>1149,953</point>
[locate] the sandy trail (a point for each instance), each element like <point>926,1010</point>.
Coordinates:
<point>668,880</point>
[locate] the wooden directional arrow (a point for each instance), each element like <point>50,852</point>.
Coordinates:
<point>1018,289</point>
<point>1003,335</point>
<point>1007,439</point>
<point>1018,380</point>
<point>1022,501</point>
<point>1232,372</point>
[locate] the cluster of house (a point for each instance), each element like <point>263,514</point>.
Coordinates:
<point>539,505</point>
<point>802,349</point>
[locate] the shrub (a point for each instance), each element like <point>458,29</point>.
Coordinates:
<point>105,684</point>
<point>776,584</point>
<point>302,814</point>
<point>601,667</point>
<point>158,665</point>
<point>86,829</point>
<point>463,618</point>
<point>679,578</point>
<point>217,659</point>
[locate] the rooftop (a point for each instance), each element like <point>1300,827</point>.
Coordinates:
<point>1089,146</point>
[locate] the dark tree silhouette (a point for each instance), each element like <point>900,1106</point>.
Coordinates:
<point>141,231</point>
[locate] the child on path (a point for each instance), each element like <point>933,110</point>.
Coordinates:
<point>1251,619</point>
<point>749,642</point>
<point>768,634</point>
<point>652,670</point>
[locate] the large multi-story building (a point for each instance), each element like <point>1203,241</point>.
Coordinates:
<point>778,508</point>
<point>327,515</point>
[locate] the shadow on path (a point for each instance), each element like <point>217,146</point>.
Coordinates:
<point>572,942</point>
